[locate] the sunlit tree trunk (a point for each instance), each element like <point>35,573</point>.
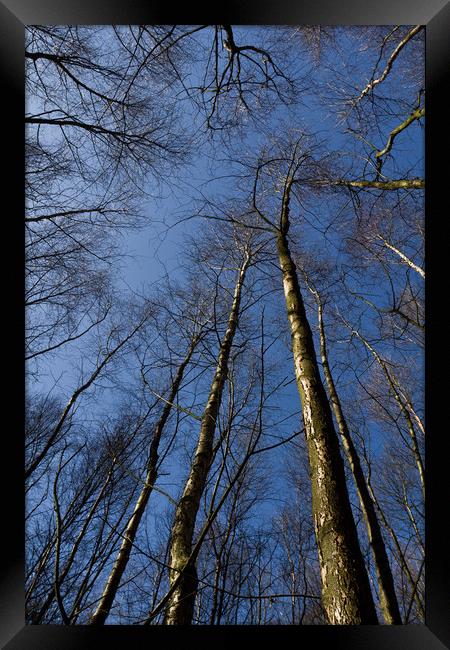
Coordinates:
<point>346,593</point>
<point>388,598</point>
<point>405,259</point>
<point>179,610</point>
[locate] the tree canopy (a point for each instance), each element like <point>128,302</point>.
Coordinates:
<point>224,324</point>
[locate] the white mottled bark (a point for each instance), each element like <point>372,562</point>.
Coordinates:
<point>180,607</point>
<point>346,593</point>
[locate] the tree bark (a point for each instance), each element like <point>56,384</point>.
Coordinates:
<point>180,607</point>
<point>388,598</point>
<point>405,258</point>
<point>397,184</point>
<point>346,593</point>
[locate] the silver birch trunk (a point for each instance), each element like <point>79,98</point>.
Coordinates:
<point>388,598</point>
<point>346,593</point>
<point>183,574</point>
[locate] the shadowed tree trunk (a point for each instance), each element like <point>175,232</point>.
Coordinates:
<point>347,597</point>
<point>109,592</point>
<point>402,560</point>
<point>388,598</point>
<point>180,607</point>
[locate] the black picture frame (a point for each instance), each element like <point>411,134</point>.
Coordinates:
<point>435,14</point>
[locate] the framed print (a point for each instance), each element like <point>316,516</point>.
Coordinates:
<point>232,239</point>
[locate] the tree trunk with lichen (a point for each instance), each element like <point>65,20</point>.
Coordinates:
<point>104,606</point>
<point>388,597</point>
<point>183,574</point>
<point>346,593</point>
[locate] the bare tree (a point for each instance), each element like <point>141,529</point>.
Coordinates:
<point>180,607</point>
<point>172,474</point>
<point>389,604</point>
<point>112,584</point>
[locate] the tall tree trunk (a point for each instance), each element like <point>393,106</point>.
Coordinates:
<point>346,593</point>
<point>180,607</point>
<point>109,592</point>
<point>388,598</point>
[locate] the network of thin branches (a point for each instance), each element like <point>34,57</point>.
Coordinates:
<point>224,325</point>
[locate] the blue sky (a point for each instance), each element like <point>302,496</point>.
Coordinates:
<point>155,249</point>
